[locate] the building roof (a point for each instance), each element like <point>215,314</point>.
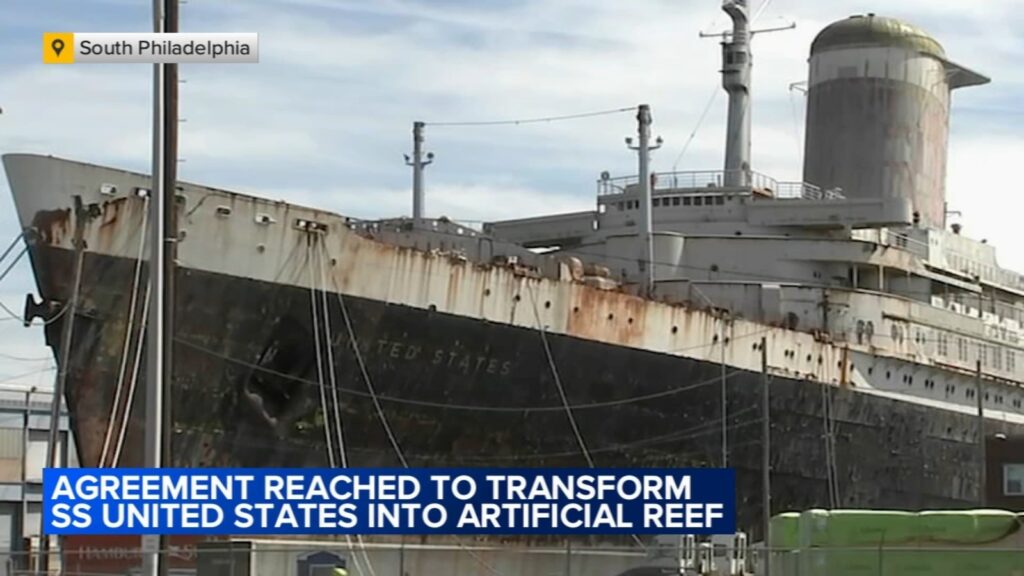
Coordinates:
<point>871,30</point>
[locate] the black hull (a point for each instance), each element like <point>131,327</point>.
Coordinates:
<point>458,391</point>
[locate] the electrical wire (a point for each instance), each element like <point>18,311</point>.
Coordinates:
<point>31,373</point>
<point>697,431</point>
<point>24,359</point>
<point>534,120</point>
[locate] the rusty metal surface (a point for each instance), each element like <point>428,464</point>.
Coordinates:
<point>455,350</point>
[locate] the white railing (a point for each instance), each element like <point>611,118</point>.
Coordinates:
<point>805,191</point>
<point>703,179</point>
<point>887,237</point>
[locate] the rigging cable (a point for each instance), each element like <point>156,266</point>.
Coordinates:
<point>13,262</point>
<point>558,381</point>
<point>312,260</point>
<point>828,410</point>
<point>343,457</point>
<point>561,390</point>
<point>700,121</point>
<point>380,411</point>
<point>115,406</point>
<point>319,362</point>
<point>13,316</point>
<point>534,120</point>
<point>133,383</point>
<point>11,246</point>
<point>828,448</point>
<point>467,407</point>
<point>366,375</point>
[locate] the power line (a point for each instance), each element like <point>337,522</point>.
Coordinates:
<point>32,373</point>
<point>533,120</point>
<point>24,359</point>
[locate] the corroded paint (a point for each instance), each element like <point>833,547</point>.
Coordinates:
<point>457,355</point>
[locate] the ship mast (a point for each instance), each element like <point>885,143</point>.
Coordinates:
<point>737,63</point>
<point>645,231</point>
<point>418,164</point>
<point>736,67</point>
<point>163,246</point>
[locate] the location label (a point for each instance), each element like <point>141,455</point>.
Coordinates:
<point>154,48</point>
<point>58,48</point>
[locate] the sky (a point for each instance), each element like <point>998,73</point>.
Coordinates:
<point>326,115</point>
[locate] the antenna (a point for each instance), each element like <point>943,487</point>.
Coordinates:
<point>736,73</point>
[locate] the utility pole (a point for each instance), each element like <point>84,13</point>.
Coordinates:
<point>766,462</point>
<point>646,227</point>
<point>418,164</point>
<point>725,394</point>
<point>163,243</point>
<point>737,65</point>
<point>982,456</point>
<point>26,424</point>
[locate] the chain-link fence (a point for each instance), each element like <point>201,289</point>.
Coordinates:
<point>109,556</point>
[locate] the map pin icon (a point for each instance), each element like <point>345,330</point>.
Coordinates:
<point>58,46</point>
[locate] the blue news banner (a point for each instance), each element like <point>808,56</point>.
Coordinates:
<point>389,501</point>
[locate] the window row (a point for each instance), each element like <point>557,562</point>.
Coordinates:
<point>670,201</point>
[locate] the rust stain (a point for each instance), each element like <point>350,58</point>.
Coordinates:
<point>53,226</point>
<point>607,316</point>
<point>110,214</point>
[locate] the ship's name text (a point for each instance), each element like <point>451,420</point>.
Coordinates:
<point>454,358</point>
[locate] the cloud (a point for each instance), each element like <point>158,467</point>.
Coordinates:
<point>325,117</point>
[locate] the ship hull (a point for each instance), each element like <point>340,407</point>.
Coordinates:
<point>462,391</point>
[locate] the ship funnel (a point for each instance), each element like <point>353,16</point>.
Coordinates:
<point>878,113</point>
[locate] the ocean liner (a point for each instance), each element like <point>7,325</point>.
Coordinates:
<point>638,333</point>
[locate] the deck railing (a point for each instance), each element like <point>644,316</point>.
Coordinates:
<point>702,179</point>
